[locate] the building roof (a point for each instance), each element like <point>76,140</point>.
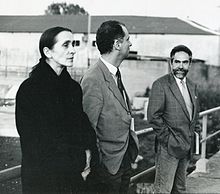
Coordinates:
<point>79,24</point>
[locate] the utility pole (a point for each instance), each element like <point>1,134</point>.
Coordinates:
<point>218,31</point>
<point>219,45</point>
<point>88,39</point>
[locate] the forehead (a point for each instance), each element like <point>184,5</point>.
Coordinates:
<point>64,36</point>
<point>181,55</point>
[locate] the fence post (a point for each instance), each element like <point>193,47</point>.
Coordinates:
<point>201,163</point>
<point>6,71</point>
<point>145,110</point>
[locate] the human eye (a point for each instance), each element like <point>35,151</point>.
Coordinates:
<point>185,62</point>
<point>65,44</point>
<point>176,61</point>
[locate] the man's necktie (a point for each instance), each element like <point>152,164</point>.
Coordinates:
<point>187,99</point>
<point>122,89</point>
<point>119,83</point>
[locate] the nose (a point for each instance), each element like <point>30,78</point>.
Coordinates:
<point>130,43</point>
<point>181,64</point>
<point>72,49</point>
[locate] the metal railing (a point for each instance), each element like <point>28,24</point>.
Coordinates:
<point>7,101</point>
<point>15,171</point>
<point>10,173</point>
<point>201,165</point>
<point>149,170</point>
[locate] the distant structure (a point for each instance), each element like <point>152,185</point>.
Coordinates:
<point>150,36</point>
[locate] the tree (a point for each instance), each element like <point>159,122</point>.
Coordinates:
<point>65,9</point>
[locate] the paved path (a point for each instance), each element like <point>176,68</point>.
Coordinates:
<point>206,182</point>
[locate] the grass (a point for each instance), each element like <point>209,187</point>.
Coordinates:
<point>10,154</point>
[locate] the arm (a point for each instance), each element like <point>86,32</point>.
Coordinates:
<point>27,124</point>
<point>155,112</point>
<point>92,155</point>
<point>88,133</point>
<point>92,105</point>
<point>92,100</point>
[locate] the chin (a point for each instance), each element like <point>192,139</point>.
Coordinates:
<point>69,64</point>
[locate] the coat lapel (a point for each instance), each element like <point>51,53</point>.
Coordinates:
<point>176,92</point>
<point>111,84</point>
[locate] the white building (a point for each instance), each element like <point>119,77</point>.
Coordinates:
<point>150,36</point>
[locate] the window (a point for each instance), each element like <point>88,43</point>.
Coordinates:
<point>94,43</point>
<point>77,43</point>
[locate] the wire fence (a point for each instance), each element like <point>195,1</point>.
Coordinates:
<point>23,72</point>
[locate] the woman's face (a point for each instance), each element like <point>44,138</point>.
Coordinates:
<point>63,51</point>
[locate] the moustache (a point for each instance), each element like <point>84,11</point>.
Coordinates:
<point>184,71</point>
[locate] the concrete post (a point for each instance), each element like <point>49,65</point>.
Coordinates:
<point>145,110</point>
<point>201,163</point>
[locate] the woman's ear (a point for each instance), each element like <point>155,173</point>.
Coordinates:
<point>47,52</point>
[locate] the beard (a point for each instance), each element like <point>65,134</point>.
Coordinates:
<point>180,72</point>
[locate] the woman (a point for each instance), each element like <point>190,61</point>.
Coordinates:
<point>54,131</point>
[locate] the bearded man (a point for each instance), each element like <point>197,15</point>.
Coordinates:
<point>173,114</point>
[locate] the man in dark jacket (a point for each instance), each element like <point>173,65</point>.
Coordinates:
<point>173,114</point>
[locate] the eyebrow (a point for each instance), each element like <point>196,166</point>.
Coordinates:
<point>67,41</point>
<point>180,60</point>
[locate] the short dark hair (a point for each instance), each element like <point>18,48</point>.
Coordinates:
<point>48,38</point>
<point>180,48</point>
<point>107,33</point>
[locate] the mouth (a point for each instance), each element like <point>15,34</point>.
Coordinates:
<point>70,59</point>
<point>180,72</point>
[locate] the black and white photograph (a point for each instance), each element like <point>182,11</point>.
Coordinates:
<point>109,97</point>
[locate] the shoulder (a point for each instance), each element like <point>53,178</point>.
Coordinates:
<point>26,85</point>
<point>25,89</point>
<point>164,80</point>
<point>93,75</point>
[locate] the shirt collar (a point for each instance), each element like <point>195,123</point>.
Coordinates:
<point>179,80</point>
<point>110,67</point>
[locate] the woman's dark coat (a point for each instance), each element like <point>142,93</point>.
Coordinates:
<point>54,131</point>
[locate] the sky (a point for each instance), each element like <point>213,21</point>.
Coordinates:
<point>205,12</point>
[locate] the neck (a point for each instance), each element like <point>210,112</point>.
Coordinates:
<point>112,59</point>
<point>57,68</point>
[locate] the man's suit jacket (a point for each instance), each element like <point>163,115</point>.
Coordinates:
<point>109,116</point>
<point>168,115</point>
